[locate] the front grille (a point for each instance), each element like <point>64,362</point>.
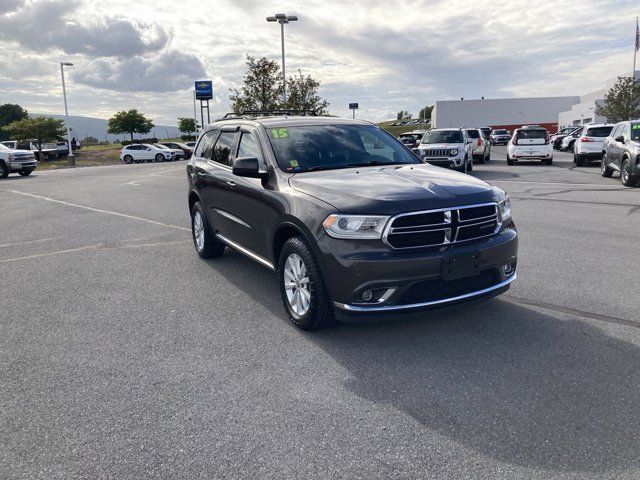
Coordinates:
<point>442,227</point>
<point>436,152</point>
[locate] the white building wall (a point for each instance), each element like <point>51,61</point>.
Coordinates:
<point>500,111</point>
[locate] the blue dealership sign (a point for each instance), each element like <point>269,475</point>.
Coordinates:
<point>204,90</point>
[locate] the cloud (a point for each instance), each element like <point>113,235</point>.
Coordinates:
<point>168,71</point>
<point>48,25</point>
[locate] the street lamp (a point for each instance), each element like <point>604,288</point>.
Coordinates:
<point>72,159</point>
<point>282,19</point>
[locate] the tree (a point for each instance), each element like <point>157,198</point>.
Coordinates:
<point>404,115</point>
<point>9,113</point>
<point>262,89</point>
<point>39,130</point>
<point>622,101</point>
<point>302,94</point>
<point>130,122</point>
<point>90,141</point>
<point>425,112</point>
<point>187,125</point>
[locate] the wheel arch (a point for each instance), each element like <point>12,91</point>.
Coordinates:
<point>287,229</point>
<point>193,198</point>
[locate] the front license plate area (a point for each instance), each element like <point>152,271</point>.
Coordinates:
<point>464,265</point>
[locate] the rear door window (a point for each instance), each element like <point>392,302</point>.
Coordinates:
<point>222,149</point>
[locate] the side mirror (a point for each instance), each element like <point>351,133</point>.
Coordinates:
<point>620,139</point>
<point>248,167</point>
<point>148,149</point>
<point>469,140</point>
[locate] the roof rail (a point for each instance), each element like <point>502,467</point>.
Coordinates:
<point>279,112</point>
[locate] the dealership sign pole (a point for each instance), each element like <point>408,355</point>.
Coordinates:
<point>353,107</point>
<point>204,93</point>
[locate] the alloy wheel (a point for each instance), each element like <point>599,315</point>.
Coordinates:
<point>296,284</point>
<point>198,230</point>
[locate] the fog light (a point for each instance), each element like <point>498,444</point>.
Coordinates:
<point>367,295</point>
<point>508,269</point>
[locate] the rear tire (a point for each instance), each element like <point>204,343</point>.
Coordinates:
<point>4,170</point>
<point>548,161</point>
<point>605,170</point>
<point>206,243</point>
<point>487,158</point>
<point>579,160</point>
<point>25,172</point>
<point>509,161</point>
<point>302,287</point>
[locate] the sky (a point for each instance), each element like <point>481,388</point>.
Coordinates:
<point>386,55</point>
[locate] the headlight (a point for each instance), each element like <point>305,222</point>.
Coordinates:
<point>453,152</point>
<point>505,208</point>
<point>355,226</point>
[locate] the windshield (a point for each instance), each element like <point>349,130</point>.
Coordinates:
<point>531,133</point>
<point>635,132</point>
<point>4,147</point>
<point>501,132</point>
<point>599,132</point>
<point>473,133</point>
<point>158,145</point>
<point>444,136</point>
<point>326,147</point>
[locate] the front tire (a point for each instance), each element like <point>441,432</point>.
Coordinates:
<point>128,159</point>
<point>302,288</point>
<point>159,157</point>
<point>206,243</point>
<point>605,171</point>
<point>626,178</point>
<point>25,172</point>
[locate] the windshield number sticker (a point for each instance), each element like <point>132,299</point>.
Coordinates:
<point>293,163</point>
<point>279,133</point>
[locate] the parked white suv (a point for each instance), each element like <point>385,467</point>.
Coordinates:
<point>530,143</point>
<point>588,146</point>
<point>480,147</point>
<point>447,147</point>
<point>146,152</point>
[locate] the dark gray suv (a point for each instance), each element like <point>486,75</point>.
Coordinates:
<point>621,152</point>
<point>350,219</point>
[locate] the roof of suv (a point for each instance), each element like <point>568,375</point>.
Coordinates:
<point>283,121</point>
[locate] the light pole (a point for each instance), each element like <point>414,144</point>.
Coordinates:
<point>72,159</point>
<point>282,19</point>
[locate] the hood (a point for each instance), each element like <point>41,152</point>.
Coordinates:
<point>426,146</point>
<point>388,190</point>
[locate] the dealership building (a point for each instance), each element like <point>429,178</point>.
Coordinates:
<point>511,113</point>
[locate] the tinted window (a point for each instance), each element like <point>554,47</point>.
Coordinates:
<point>444,136</point>
<point>473,133</point>
<point>324,147</point>
<point>598,132</point>
<point>222,150</point>
<point>531,133</point>
<point>635,131</point>
<point>501,132</point>
<point>625,132</point>
<point>249,147</point>
<point>205,144</point>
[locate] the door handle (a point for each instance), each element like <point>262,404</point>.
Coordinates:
<point>231,183</point>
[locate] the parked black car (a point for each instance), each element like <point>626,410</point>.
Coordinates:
<point>350,219</point>
<point>621,152</point>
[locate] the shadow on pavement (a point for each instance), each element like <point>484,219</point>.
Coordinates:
<point>507,381</point>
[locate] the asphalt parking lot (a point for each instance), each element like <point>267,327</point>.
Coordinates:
<point>124,355</point>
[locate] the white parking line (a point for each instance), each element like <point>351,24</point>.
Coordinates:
<point>98,210</point>
<point>30,241</point>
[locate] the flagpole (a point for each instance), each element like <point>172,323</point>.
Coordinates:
<point>635,51</point>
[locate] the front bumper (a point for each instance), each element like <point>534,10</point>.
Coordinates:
<point>414,279</point>
<point>16,166</point>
